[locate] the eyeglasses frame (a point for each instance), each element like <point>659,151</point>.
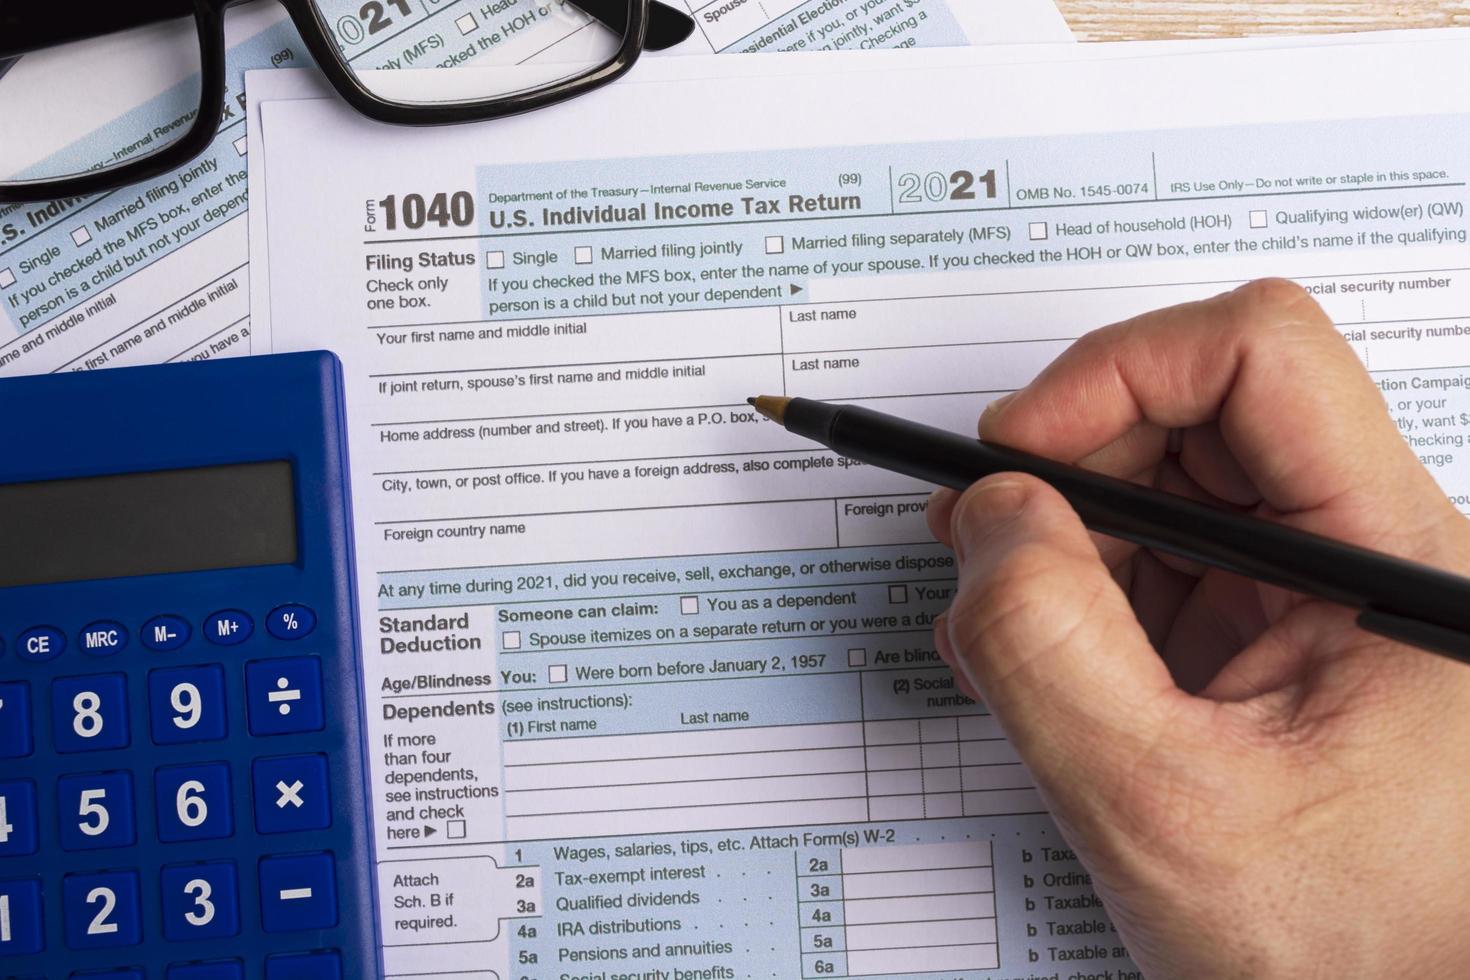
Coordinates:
<point>209,18</point>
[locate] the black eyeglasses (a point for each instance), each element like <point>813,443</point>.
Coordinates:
<point>97,96</point>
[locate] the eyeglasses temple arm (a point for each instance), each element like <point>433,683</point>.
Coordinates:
<point>32,26</point>
<point>667,26</point>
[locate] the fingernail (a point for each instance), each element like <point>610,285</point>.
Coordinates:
<point>993,410</point>
<point>987,505</point>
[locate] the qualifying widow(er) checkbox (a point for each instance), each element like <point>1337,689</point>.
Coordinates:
<point>495,260</point>
<point>510,640</point>
<point>689,605</point>
<point>1258,219</point>
<point>81,236</point>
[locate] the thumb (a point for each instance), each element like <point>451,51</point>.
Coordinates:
<point>1041,630</point>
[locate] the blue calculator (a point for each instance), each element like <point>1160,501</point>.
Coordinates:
<point>183,777</point>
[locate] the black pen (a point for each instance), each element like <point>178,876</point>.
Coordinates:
<point>1399,599</point>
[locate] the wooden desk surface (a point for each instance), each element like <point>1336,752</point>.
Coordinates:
<point>1117,20</point>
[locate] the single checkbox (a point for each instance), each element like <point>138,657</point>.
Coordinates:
<point>81,236</point>
<point>775,244</point>
<point>689,605</point>
<point>857,657</point>
<point>1039,231</point>
<point>898,593</point>
<point>241,145</point>
<point>7,279</point>
<point>466,24</point>
<point>584,255</point>
<point>510,640</point>
<point>455,830</point>
<point>556,674</point>
<point>1258,219</point>
<point>495,260</point>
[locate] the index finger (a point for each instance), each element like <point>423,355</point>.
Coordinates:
<point>1295,406</point>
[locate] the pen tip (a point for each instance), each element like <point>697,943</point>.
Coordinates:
<point>750,400</point>
<point>772,407</point>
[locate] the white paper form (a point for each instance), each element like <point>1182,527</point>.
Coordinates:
<point>836,25</point>
<point>656,687</point>
<point>295,83</point>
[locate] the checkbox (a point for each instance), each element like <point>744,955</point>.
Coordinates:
<point>775,244</point>
<point>241,145</point>
<point>466,24</point>
<point>857,657</point>
<point>510,640</point>
<point>689,605</point>
<point>556,674</point>
<point>455,830</point>
<point>7,279</point>
<point>1258,219</point>
<point>583,255</point>
<point>1038,231</point>
<point>495,260</point>
<point>898,593</point>
<point>81,236</point>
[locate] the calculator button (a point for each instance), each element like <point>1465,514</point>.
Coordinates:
<point>187,704</point>
<point>21,928</point>
<point>321,965</point>
<point>103,910</point>
<point>284,696</point>
<point>164,633</point>
<point>103,638</point>
<point>17,818</point>
<point>200,901</point>
<point>89,714</point>
<point>298,892</point>
<point>96,810</point>
<point>15,720</point>
<point>290,622</point>
<point>291,794</point>
<point>217,970</point>
<point>228,627</point>
<point>40,643</point>
<point>193,802</point>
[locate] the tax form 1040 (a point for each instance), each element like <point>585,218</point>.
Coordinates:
<point>656,688</point>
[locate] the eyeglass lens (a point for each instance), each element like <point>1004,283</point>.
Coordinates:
<point>503,46</point>
<point>98,103</point>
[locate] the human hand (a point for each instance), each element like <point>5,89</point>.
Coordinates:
<point>1258,788</point>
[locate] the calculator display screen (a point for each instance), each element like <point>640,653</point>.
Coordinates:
<point>147,523</point>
